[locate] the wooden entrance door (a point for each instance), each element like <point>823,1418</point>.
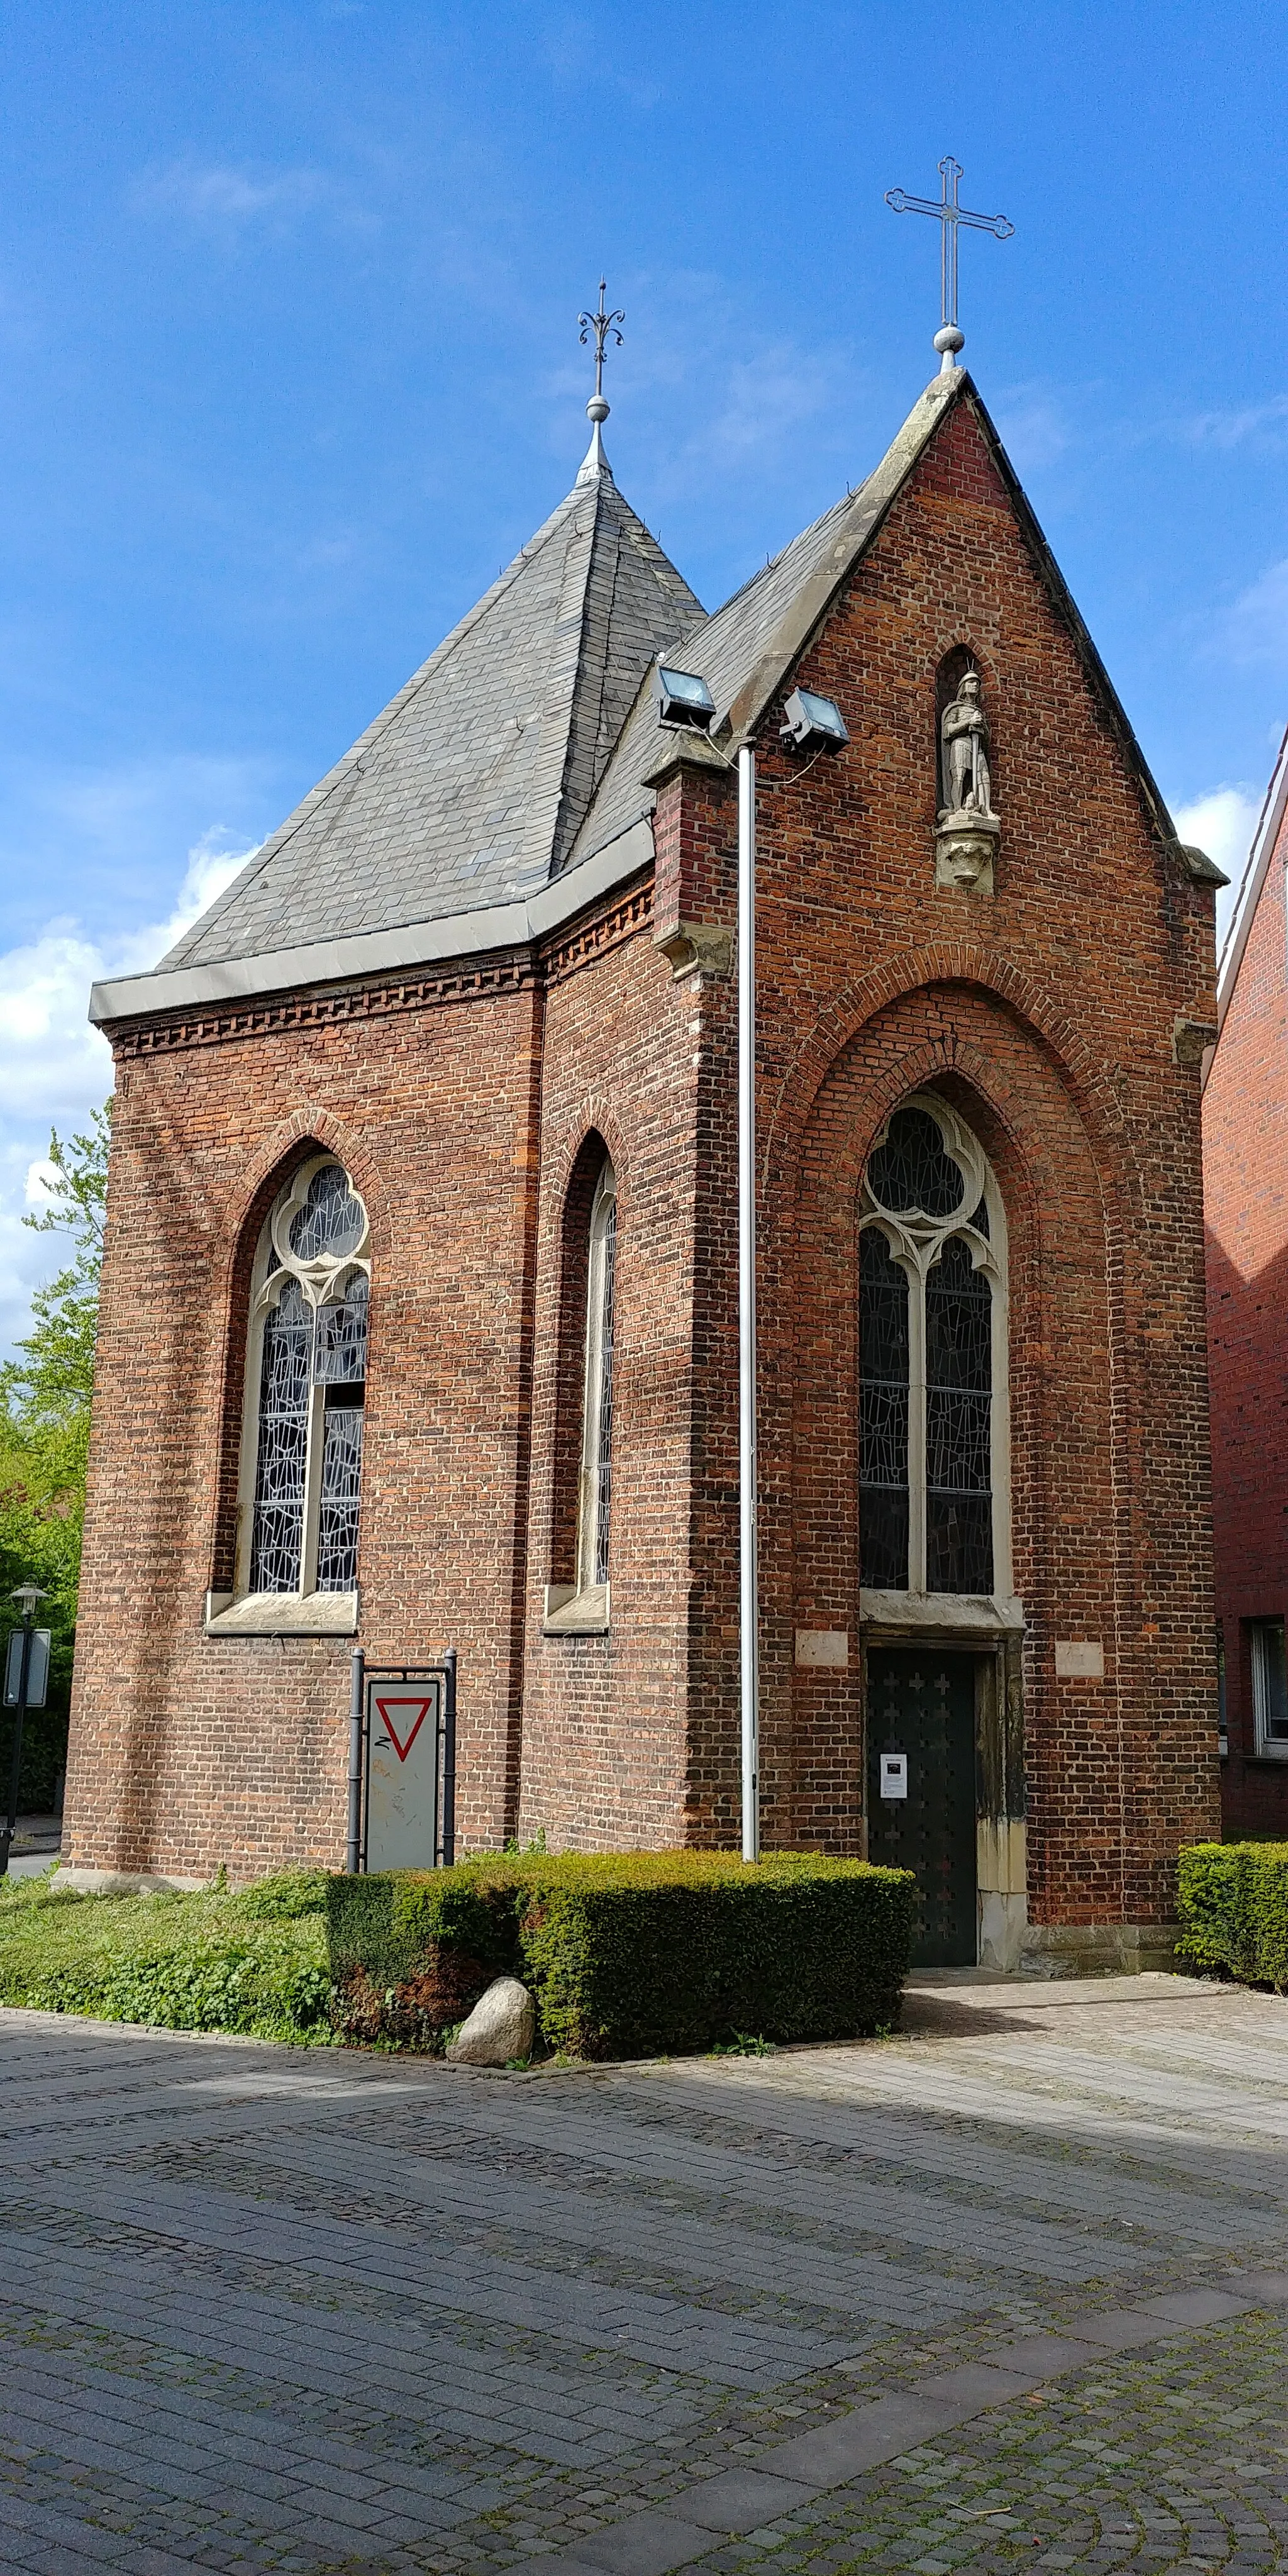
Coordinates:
<point>922,1705</point>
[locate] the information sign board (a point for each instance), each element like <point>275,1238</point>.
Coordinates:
<point>37,1669</point>
<point>404,1760</point>
<point>894,1775</point>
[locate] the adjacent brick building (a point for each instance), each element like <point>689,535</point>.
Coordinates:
<point>485,973</point>
<point>1245,1170</point>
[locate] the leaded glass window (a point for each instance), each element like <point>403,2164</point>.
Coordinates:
<point>934,1467</point>
<point>883,1373</point>
<point>306,1388</point>
<point>596,1492</point>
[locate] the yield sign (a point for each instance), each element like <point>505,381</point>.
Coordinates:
<point>412,1712</point>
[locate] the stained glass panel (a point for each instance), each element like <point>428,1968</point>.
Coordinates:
<point>278,1532</point>
<point>959,1373</point>
<point>338,1515</point>
<point>342,1338</point>
<point>913,1168</point>
<point>309,1445</point>
<point>883,1370</point>
<point>959,1543</point>
<point>604,1464</point>
<point>331,1219</point>
<point>959,1321</point>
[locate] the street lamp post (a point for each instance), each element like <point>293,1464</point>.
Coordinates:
<point>26,1595</point>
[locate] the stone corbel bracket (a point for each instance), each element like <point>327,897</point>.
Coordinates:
<point>965,848</point>
<point>697,946</point>
<point>1191,1040</point>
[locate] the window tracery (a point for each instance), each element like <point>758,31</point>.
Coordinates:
<point>306,1389</point>
<point>934,1434</point>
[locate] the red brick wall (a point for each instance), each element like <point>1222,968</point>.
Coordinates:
<point>604,1749</point>
<point>188,1751</point>
<point>1245,1162</point>
<point>1047,1012</point>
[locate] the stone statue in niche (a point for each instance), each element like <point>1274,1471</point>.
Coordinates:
<point>968,828</point>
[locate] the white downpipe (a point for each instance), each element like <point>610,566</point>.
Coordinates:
<point>749,1597</point>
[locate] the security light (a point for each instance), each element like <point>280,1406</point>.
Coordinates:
<point>813,723</point>
<point>684,699</point>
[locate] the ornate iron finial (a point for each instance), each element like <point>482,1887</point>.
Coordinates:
<point>949,338</point>
<point>606,328</point>
<point>604,325</point>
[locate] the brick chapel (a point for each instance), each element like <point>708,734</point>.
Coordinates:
<point>419,1316</point>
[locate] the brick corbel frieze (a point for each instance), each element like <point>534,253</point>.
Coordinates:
<point>628,916</point>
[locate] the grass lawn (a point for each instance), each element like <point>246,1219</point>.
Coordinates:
<point>253,1961</point>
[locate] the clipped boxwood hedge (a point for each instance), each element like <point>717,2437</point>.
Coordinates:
<point>629,1954</point>
<point>1233,1905</point>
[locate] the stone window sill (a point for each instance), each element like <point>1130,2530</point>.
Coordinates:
<point>569,1613</point>
<point>961,1613</point>
<point>282,1614</point>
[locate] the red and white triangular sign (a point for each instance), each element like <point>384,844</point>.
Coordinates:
<point>412,1713</point>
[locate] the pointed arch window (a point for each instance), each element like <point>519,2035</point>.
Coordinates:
<point>934,1502</point>
<point>596,1488</point>
<point>306,1371</point>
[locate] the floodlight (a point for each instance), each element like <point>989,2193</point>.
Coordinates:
<point>813,723</point>
<point>684,699</point>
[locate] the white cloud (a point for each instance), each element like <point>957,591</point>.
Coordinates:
<point>225,197</point>
<point>1256,627</point>
<point>1222,823</point>
<point>1034,429</point>
<point>1234,428</point>
<point>765,397</point>
<point>54,1068</point>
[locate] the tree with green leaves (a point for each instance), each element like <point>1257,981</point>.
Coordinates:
<point>45,1397</point>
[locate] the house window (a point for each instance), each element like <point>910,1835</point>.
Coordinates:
<point>934,1442</point>
<point>596,1487</point>
<point>1269,1686</point>
<point>305,1390</point>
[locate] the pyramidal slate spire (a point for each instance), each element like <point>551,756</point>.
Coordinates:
<point>468,792</point>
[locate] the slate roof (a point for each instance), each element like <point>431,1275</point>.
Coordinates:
<point>744,649</point>
<point>505,785</point>
<point>469,789</point>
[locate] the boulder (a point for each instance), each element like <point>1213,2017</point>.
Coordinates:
<point>502,2025</point>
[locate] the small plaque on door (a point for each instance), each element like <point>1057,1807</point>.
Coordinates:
<point>894,1775</point>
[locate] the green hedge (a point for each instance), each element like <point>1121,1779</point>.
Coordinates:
<point>631,1954</point>
<point>1233,1904</point>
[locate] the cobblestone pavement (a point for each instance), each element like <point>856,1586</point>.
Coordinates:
<point>1009,2290</point>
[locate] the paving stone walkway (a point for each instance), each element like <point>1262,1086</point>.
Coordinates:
<point>1009,2290</point>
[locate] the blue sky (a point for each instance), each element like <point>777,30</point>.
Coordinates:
<point>289,368</point>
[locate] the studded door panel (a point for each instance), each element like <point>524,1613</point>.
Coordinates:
<point>923,1706</point>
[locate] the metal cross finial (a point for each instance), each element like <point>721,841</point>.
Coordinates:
<point>950,216</point>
